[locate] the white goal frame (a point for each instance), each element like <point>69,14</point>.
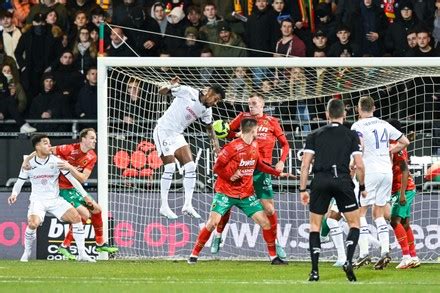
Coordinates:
<point>105,62</point>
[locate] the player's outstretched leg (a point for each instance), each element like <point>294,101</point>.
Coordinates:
<point>338,240</point>
<point>165,184</point>
<point>215,245</point>
<point>189,182</point>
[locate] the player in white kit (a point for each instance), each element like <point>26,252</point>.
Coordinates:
<point>44,198</point>
<point>188,105</point>
<point>375,135</point>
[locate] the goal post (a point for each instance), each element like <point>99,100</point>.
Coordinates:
<point>295,90</point>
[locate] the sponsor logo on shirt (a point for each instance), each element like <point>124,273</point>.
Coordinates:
<point>191,112</point>
<point>246,163</point>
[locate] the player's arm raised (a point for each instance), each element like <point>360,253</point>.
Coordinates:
<point>173,83</point>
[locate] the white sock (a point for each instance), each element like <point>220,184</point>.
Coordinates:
<point>217,234</point>
<point>189,182</point>
<point>29,237</point>
<point>337,237</point>
<point>383,235</point>
<point>363,237</point>
<point>165,183</point>
<point>78,235</point>
<point>373,241</point>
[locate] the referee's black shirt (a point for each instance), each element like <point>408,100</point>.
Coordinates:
<point>332,146</point>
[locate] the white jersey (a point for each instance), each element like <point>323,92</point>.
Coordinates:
<point>376,135</point>
<point>184,110</point>
<point>44,178</point>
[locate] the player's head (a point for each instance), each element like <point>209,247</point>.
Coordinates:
<point>41,144</point>
<point>335,109</point>
<point>256,104</point>
<point>87,138</point>
<point>248,126</point>
<point>366,106</point>
<point>214,95</point>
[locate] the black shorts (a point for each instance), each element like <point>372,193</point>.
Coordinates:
<point>324,187</point>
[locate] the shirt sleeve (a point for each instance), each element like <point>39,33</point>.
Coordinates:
<point>263,167</point>
<point>393,133</point>
<point>357,129</point>
<point>22,177</point>
<point>91,164</point>
<point>207,117</point>
<point>234,126</point>
<point>356,148</point>
<point>63,150</point>
<point>279,134</point>
<point>220,166</point>
<point>182,91</point>
<point>310,144</point>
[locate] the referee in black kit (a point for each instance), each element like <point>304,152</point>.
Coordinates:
<point>332,147</point>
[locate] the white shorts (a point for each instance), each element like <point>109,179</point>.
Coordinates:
<point>57,207</point>
<point>167,142</point>
<point>378,187</point>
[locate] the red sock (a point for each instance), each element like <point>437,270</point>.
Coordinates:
<point>223,221</point>
<point>69,237</point>
<point>273,223</point>
<point>400,233</point>
<point>270,241</point>
<point>411,244</point>
<point>203,237</point>
<point>97,226</point>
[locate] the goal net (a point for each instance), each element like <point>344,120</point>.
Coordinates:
<point>296,91</point>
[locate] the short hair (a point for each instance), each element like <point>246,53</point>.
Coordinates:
<point>258,95</point>
<point>335,108</point>
<point>206,50</point>
<point>83,133</point>
<point>286,20</point>
<point>247,125</point>
<point>36,138</point>
<point>411,31</point>
<point>209,4</point>
<point>395,123</point>
<point>423,29</point>
<point>366,104</point>
<point>194,8</point>
<point>218,89</point>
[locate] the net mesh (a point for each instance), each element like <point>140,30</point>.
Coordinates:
<point>297,96</point>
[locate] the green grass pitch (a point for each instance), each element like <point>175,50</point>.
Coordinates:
<point>206,276</point>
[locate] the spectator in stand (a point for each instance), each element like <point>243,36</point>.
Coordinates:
<point>87,105</point>
<point>11,35</point>
<point>35,52</point>
<point>298,91</point>
<point>320,43</point>
<point>194,17</point>
<point>424,48</point>
<point>8,60</point>
<point>318,53</point>
<point>175,27</point>
<point>289,44</point>
<point>44,7</point>
<point>371,27</point>
<point>8,107</point>
<point>96,17</point>
<point>279,6</point>
<point>239,86</point>
<point>21,11</point>
<point>118,46</point>
<point>228,38</point>
<point>325,22</point>
<point>425,12</point>
<point>396,37</point>
<point>67,78</point>
<point>436,31</point>
<point>49,104</point>
<point>94,35</point>
<point>209,30</point>
<point>158,14</point>
<point>207,75</point>
<point>15,88</point>
<point>191,48</point>
<point>81,20</point>
<point>411,39</point>
<point>344,44</point>
<point>84,51</point>
<point>73,6</point>
<point>262,29</point>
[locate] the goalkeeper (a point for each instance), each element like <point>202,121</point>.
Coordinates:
<point>268,131</point>
<point>188,105</point>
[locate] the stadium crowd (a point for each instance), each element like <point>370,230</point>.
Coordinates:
<point>49,49</point>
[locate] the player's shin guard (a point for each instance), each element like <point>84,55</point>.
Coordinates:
<point>401,237</point>
<point>189,182</point>
<point>363,237</point>
<point>337,237</point>
<point>383,235</point>
<point>29,238</point>
<point>411,244</point>
<point>351,242</point>
<point>273,219</point>
<point>270,241</point>
<point>165,183</point>
<point>203,237</point>
<point>315,249</point>
<point>98,227</point>
<point>325,229</point>
<point>78,235</point>
<point>222,224</point>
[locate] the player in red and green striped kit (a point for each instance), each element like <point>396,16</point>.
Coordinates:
<point>235,167</point>
<point>403,193</point>
<point>269,131</point>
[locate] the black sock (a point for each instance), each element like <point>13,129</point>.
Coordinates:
<point>315,249</point>
<point>351,243</point>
